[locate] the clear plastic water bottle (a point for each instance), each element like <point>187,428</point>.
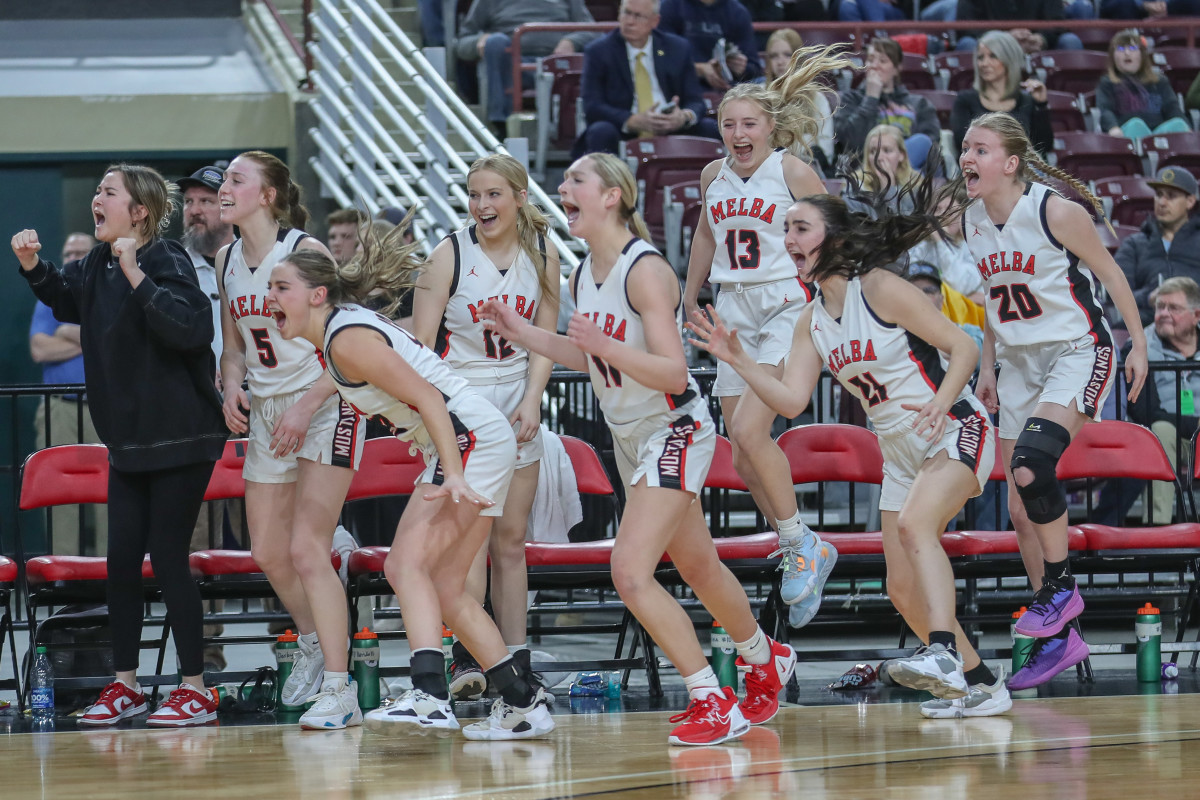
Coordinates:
<point>42,704</point>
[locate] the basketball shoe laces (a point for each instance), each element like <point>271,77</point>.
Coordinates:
<point>177,698</point>
<point>793,556</point>
<point>1043,598</point>
<point>704,709</point>
<point>110,694</point>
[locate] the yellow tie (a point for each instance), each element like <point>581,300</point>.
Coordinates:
<point>642,89</point>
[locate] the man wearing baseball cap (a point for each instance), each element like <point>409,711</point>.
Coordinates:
<point>1168,244</point>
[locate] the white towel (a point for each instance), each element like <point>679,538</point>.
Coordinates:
<point>556,507</point>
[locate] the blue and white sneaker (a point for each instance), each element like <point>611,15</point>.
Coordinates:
<point>802,613</point>
<point>804,565</point>
<point>333,709</point>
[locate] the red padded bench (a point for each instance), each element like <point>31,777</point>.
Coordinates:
<point>8,582</point>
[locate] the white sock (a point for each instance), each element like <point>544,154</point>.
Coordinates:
<point>512,648</point>
<point>335,681</point>
<point>790,529</point>
<point>308,638</point>
<point>703,683</point>
<point>135,686</point>
<point>756,649</point>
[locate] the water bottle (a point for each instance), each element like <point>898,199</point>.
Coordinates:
<point>724,656</point>
<point>287,650</point>
<point>364,662</point>
<point>1149,644</point>
<point>1022,645</point>
<point>448,650</point>
<point>42,703</point>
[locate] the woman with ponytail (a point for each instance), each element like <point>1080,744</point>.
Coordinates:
<point>741,252</point>
<point>146,332</point>
<point>1039,252</point>
<point>938,444</point>
<point>304,444</point>
<point>501,254</point>
<point>627,334</point>
<point>470,453</point>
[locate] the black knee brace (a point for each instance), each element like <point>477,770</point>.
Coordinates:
<point>1038,449</point>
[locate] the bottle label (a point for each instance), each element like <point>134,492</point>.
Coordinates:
<point>1145,630</point>
<point>723,642</point>
<point>287,655</point>
<point>368,656</point>
<point>43,698</point>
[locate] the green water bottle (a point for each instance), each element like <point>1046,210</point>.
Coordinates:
<point>448,650</point>
<point>1022,645</point>
<point>287,651</point>
<point>364,661</point>
<point>724,656</point>
<point>1149,644</point>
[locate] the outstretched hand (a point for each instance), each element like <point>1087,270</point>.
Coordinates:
<point>503,319</point>
<point>714,338</point>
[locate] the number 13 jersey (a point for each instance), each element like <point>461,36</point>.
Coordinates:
<point>274,365</point>
<point>746,217</point>
<point>1037,292</point>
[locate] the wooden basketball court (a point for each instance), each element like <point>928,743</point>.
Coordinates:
<point>1126,747</point>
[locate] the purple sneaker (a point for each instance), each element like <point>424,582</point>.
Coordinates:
<point>1049,657</point>
<point>1052,608</point>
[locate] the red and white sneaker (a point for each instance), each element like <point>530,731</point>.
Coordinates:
<point>185,706</point>
<point>764,682</point>
<point>116,702</point>
<point>710,720</point>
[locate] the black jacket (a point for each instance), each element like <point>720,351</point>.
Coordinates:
<point>1146,263</point>
<point>1033,116</point>
<point>857,114</point>
<point>147,363</point>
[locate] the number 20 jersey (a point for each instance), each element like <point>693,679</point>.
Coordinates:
<point>1037,292</point>
<point>274,365</point>
<point>880,363</point>
<point>746,217</point>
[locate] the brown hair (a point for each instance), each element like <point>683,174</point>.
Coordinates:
<point>890,48</point>
<point>790,101</point>
<point>1146,72</point>
<point>614,174</point>
<point>286,207</point>
<point>150,190</point>
<point>532,224</point>
<point>345,216</point>
<point>789,36</point>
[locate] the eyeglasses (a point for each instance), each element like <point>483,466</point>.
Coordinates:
<point>1127,48</point>
<point>637,15</point>
<point>1172,308</point>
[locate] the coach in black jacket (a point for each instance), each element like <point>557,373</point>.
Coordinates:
<point>609,94</point>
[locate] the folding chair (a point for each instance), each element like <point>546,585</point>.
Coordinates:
<point>1132,198</point>
<point>661,161</point>
<point>1071,71</point>
<point>1091,156</point>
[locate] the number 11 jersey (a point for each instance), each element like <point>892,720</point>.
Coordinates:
<point>746,217</point>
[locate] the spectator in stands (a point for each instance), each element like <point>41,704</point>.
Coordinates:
<point>780,46</point>
<point>884,100</point>
<point>393,215</point>
<point>486,36</point>
<point>1134,98</point>
<point>1030,41</point>
<point>1168,405</point>
<point>873,10</point>
<point>947,10</point>
<point>342,237</point>
<point>956,308</point>
<point>1143,9</point>
<point>998,87</point>
<point>433,29</point>
<point>885,167</point>
<point>1192,101</point>
<point>704,23</point>
<point>55,345</point>
<point>947,250</point>
<point>1168,243</point>
<point>147,327</point>
<point>639,82</point>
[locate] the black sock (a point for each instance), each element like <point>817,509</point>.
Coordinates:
<point>429,672</point>
<point>1059,573</point>
<point>506,677</point>
<point>980,675</point>
<point>943,637</point>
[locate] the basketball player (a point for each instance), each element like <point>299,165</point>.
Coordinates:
<point>741,252</point>
<point>626,333</point>
<point>1046,331</point>
<point>471,453</point>
<point>871,329</point>
<point>502,254</point>
<point>146,327</point>
<point>304,444</point>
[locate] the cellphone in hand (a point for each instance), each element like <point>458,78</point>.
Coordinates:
<point>667,108</point>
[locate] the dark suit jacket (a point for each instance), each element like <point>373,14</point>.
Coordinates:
<point>607,89</point>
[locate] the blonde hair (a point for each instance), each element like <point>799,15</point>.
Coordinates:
<point>1008,51</point>
<point>386,267</point>
<point>614,174</point>
<point>532,225</point>
<point>869,174</point>
<point>150,190</point>
<point>286,208</point>
<point>791,99</point>
<point>789,36</point>
<point>1016,142</point>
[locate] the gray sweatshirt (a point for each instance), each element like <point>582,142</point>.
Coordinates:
<point>503,16</point>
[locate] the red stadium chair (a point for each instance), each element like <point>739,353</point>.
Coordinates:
<point>955,70</point>
<point>661,161</point>
<point>1110,241</point>
<point>1180,65</point>
<point>1071,71</point>
<point>1132,198</point>
<point>1089,156</point>
<point>559,110</point>
<point>681,211</point>
<point>1065,113</point>
<point>1172,150</point>
<point>942,102</point>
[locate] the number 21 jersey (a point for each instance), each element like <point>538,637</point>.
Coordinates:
<point>746,217</point>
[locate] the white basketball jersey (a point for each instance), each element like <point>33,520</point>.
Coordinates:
<point>274,365</point>
<point>369,401</point>
<point>880,363</point>
<point>474,351</point>
<point>1037,292</point>
<point>746,217</point>
<point>622,399</point>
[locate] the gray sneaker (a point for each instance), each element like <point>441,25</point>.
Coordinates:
<point>933,668</point>
<point>982,700</point>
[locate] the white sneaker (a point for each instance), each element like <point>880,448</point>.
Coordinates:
<point>933,668</point>
<point>415,707</point>
<point>548,680</point>
<point>982,700</point>
<point>307,675</point>
<point>510,722</point>
<point>333,709</point>
<point>344,544</point>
